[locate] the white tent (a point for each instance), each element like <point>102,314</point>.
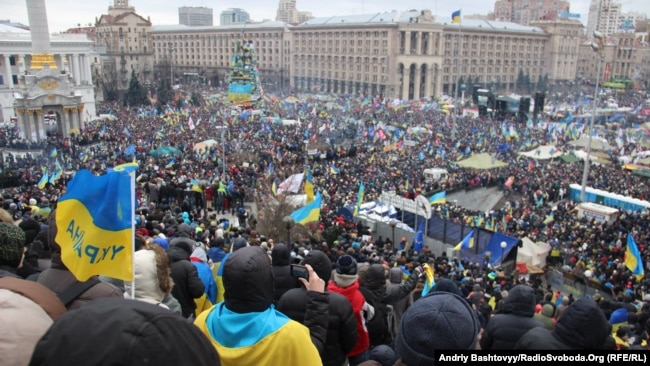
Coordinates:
<point>533,253</point>
<point>543,152</point>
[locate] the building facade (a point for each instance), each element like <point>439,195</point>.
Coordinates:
<point>525,11</point>
<point>125,40</point>
<point>563,50</point>
<point>195,16</point>
<point>234,16</point>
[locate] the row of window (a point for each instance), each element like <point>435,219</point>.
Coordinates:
<point>344,34</point>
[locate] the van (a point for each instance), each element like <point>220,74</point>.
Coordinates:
<point>435,174</point>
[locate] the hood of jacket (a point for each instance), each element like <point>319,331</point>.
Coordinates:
<point>248,280</point>
<point>547,310</point>
<point>583,325</point>
<point>145,275</point>
<point>280,255</point>
<point>179,250</point>
<point>184,230</point>
<point>375,277</point>
<point>395,275</point>
<point>520,301</point>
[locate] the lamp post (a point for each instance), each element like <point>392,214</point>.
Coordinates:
<point>392,224</point>
<point>598,48</point>
<point>288,224</point>
<point>503,248</point>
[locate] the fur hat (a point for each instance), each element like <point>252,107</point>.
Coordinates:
<point>12,242</point>
<point>439,321</point>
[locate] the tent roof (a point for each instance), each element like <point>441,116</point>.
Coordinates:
<point>482,161</point>
<point>569,158</point>
<point>543,152</point>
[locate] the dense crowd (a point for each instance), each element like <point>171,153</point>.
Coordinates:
<point>371,288</point>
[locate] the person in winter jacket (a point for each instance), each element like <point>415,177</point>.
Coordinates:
<point>376,291</point>
<point>346,283</point>
<point>246,329</point>
<point>187,284</point>
<point>395,279</point>
<point>342,328</point>
<point>200,260</point>
<point>152,276</point>
<point>504,330</point>
<point>239,243</point>
<point>582,326</point>
<point>284,281</point>
<point>58,277</point>
<point>546,316</point>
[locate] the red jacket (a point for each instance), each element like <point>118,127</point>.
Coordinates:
<point>357,300</point>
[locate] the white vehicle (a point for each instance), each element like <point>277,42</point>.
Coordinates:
<point>435,174</point>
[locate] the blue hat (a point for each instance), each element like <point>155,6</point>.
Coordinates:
<point>162,242</point>
<point>346,265</point>
<point>618,316</point>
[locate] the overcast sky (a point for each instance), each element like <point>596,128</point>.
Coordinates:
<point>64,14</point>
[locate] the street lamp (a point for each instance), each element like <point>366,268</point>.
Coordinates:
<point>392,224</point>
<point>288,224</point>
<point>503,248</point>
<point>598,48</point>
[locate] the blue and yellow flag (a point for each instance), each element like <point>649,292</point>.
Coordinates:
<point>455,16</point>
<point>309,185</point>
<point>334,170</point>
<point>126,167</point>
<point>438,198</point>
<point>466,243</point>
<point>360,194</point>
<point>43,182</point>
<point>633,260</point>
<point>429,279</point>
<point>274,187</point>
<point>196,187</point>
<point>54,153</point>
<point>308,213</point>
<point>95,225</point>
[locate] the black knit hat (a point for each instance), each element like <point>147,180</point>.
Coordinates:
<point>347,265</point>
<point>384,355</point>
<point>436,322</point>
<point>320,263</point>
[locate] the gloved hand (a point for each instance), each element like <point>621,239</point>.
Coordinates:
<point>419,270</point>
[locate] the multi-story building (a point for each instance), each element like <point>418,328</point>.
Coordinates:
<point>604,16</point>
<point>233,16</point>
<point>524,11</point>
<point>287,12</point>
<point>125,40</point>
<point>195,16</point>
<point>562,53</point>
<point>207,51</point>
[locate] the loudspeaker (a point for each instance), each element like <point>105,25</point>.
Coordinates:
<point>524,105</point>
<point>539,102</point>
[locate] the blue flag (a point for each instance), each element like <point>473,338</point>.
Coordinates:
<point>418,242</point>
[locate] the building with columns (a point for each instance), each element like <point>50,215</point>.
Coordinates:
<point>29,90</point>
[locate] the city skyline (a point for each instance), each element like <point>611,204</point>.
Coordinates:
<point>165,12</point>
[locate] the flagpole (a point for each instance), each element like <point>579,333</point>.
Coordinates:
<point>455,111</point>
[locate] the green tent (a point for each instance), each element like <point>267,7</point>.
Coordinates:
<point>569,158</point>
<point>164,150</point>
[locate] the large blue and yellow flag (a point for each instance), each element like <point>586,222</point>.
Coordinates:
<point>308,213</point>
<point>309,185</point>
<point>95,225</point>
<point>455,16</point>
<point>466,243</point>
<point>438,198</point>
<point>43,182</point>
<point>360,194</point>
<point>196,187</point>
<point>429,279</point>
<point>633,260</point>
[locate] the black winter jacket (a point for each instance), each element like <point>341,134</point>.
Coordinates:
<point>187,283</point>
<point>504,330</point>
<point>284,281</point>
<point>342,328</point>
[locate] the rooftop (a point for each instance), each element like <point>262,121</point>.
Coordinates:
<point>377,18</point>
<point>239,27</point>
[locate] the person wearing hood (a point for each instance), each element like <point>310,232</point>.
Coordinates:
<point>246,329</point>
<point>377,294</point>
<point>152,276</point>
<point>284,281</point>
<point>58,277</point>
<point>239,243</point>
<point>342,328</point>
<point>187,283</point>
<point>546,316</point>
<point>582,326</point>
<point>123,332</point>
<point>200,260</point>
<point>515,318</point>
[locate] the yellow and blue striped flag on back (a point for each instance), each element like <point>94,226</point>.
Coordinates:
<point>94,219</point>
<point>308,213</point>
<point>438,198</point>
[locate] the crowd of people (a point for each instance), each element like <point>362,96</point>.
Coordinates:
<point>365,300</point>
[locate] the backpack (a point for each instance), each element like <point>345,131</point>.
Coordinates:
<point>378,326</point>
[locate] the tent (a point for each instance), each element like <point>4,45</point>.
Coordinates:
<point>543,153</point>
<point>482,161</point>
<point>203,145</point>
<point>597,143</point>
<point>164,150</point>
<point>532,253</point>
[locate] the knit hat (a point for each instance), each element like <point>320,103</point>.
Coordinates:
<point>12,242</point>
<point>346,265</point>
<point>439,321</point>
<point>618,316</point>
<point>239,243</point>
<point>384,355</point>
<point>320,263</point>
<point>162,242</point>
